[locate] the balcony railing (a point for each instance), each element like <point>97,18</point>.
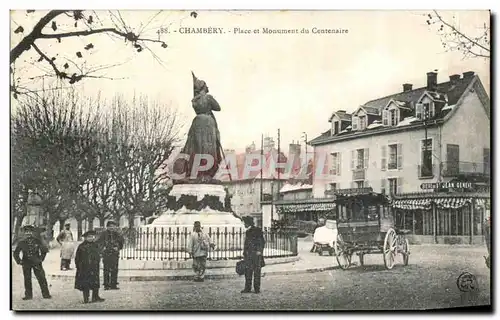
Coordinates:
<point>455,168</point>
<point>358,174</point>
<point>426,171</point>
<point>392,165</point>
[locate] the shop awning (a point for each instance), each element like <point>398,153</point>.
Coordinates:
<point>304,207</point>
<point>413,204</point>
<point>425,204</point>
<point>452,203</point>
<point>481,202</point>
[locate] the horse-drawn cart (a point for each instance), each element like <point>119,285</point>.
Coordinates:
<point>365,225</point>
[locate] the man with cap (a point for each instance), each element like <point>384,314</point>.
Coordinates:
<point>34,252</point>
<point>252,255</point>
<point>65,239</point>
<point>87,261</point>
<point>110,242</point>
<point>198,245</point>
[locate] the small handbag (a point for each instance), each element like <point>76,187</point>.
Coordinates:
<point>240,267</point>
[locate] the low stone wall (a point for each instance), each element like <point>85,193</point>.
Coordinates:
<point>187,264</point>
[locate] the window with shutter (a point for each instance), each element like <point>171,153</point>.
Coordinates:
<point>392,186</point>
<point>383,161</point>
<point>353,159</point>
<point>385,116</point>
<point>393,157</point>
<point>366,158</point>
<point>400,156</point>
<point>361,159</point>
<point>399,189</point>
<point>333,168</point>
<point>418,110</point>
<point>354,123</point>
<point>339,162</point>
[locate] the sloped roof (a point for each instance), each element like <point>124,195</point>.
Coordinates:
<point>452,91</point>
<point>344,116</point>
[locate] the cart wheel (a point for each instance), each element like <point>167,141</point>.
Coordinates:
<point>342,254</point>
<point>331,252</point>
<point>406,252</point>
<point>361,259</point>
<point>320,252</point>
<point>390,248</point>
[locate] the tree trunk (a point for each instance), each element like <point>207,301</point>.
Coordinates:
<point>102,219</point>
<point>90,225</point>
<point>131,220</point>
<point>50,230</point>
<point>79,228</point>
<point>61,224</point>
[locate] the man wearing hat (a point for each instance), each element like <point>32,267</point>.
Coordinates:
<point>34,253</point>
<point>198,245</point>
<point>110,242</point>
<point>65,239</point>
<point>87,261</point>
<point>252,255</point>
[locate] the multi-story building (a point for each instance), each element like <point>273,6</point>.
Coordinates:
<point>248,186</point>
<point>399,143</point>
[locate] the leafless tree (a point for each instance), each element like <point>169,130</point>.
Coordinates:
<point>143,136</point>
<point>53,137</point>
<point>472,44</point>
<point>52,28</point>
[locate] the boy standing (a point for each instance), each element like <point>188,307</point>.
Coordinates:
<point>87,261</point>
<point>199,243</point>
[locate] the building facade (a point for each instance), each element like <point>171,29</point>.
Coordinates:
<point>402,143</point>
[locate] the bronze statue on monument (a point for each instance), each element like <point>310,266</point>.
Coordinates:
<point>203,139</point>
<point>198,196</point>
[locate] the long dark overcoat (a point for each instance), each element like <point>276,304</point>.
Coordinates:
<point>87,260</point>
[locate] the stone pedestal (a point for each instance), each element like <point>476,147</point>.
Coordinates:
<point>187,203</point>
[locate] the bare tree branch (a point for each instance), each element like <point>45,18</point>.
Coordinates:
<point>454,39</point>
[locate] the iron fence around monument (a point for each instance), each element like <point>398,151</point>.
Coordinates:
<point>161,243</point>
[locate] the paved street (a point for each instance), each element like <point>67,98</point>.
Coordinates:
<point>428,282</point>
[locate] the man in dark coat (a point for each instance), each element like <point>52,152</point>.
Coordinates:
<point>252,254</point>
<point>110,242</point>
<point>87,261</point>
<point>34,252</point>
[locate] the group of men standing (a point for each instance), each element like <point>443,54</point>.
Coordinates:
<point>87,259</point>
<point>108,245</point>
<point>200,243</point>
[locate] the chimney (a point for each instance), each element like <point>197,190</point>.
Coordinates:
<point>294,151</point>
<point>432,81</point>
<point>454,78</point>
<point>268,144</point>
<point>250,148</point>
<point>468,74</point>
<point>407,87</point>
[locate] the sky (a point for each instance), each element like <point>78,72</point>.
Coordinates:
<point>263,82</point>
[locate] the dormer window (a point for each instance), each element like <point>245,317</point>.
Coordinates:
<point>393,117</point>
<point>336,127</point>
<point>354,123</point>
<point>362,122</point>
<point>425,110</point>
